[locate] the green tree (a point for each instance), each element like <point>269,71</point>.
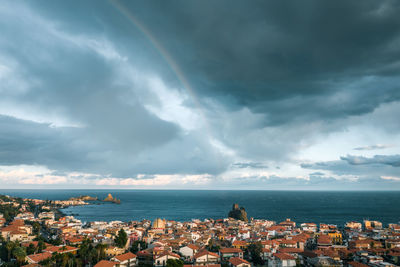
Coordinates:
<point>100,252</point>
<point>212,246</point>
<point>121,239</point>
<point>30,249</point>
<point>174,263</point>
<point>36,228</point>
<point>137,246</point>
<point>10,246</point>
<point>41,246</point>
<point>20,254</point>
<point>255,251</point>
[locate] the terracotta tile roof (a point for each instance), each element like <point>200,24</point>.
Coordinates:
<point>290,250</point>
<point>236,261</point>
<point>167,253</point>
<point>60,249</point>
<point>284,256</point>
<point>104,263</point>
<point>125,256</point>
<point>230,250</point>
<point>36,258</point>
<point>193,247</point>
<point>324,240</point>
<point>357,264</point>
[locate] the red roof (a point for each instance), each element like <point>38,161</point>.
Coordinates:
<point>104,263</point>
<point>284,256</point>
<point>230,250</point>
<point>193,247</point>
<point>290,250</point>
<point>236,261</point>
<point>357,264</point>
<point>36,258</point>
<point>167,253</point>
<point>60,249</point>
<point>125,256</point>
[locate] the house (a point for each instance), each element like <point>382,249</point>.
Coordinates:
<point>189,251</point>
<point>266,253</point>
<point>227,253</point>
<point>61,249</point>
<point>355,226</point>
<point>281,260</point>
<point>238,262</point>
<point>114,251</point>
<point>288,224</point>
<point>324,241</point>
<point>244,234</point>
<point>206,257</point>
<point>104,263</point>
<point>239,244</point>
<point>161,259</point>
<point>357,264</point>
<point>17,230</point>
<point>309,227</point>
<point>324,261</point>
<point>126,259</point>
<point>36,258</point>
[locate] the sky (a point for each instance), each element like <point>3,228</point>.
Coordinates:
<point>268,95</point>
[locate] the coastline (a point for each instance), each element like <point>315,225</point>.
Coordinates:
<point>320,207</point>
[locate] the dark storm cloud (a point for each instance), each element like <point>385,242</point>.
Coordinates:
<point>83,80</point>
<point>269,76</point>
<point>26,142</point>
<point>305,60</point>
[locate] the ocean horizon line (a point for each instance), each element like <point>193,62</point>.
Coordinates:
<point>201,189</point>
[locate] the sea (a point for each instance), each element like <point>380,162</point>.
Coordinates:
<point>333,207</point>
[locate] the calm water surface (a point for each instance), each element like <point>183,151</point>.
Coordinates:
<point>181,205</point>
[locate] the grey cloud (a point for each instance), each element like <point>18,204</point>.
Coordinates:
<point>81,79</point>
<point>254,165</point>
<point>270,77</point>
<point>392,160</point>
<point>373,147</point>
<point>291,61</point>
<point>317,174</point>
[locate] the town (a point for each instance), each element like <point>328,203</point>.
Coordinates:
<point>35,233</point>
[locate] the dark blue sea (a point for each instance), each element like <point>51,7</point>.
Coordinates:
<point>181,205</point>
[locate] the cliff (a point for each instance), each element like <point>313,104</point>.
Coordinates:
<point>110,198</point>
<point>238,213</point>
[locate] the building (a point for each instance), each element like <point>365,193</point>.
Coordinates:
<point>206,257</point>
<point>227,253</point>
<point>369,225</point>
<point>238,262</point>
<point>104,263</point>
<point>189,251</point>
<point>281,260</point>
<point>161,259</point>
<point>126,259</point>
<point>36,258</point>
